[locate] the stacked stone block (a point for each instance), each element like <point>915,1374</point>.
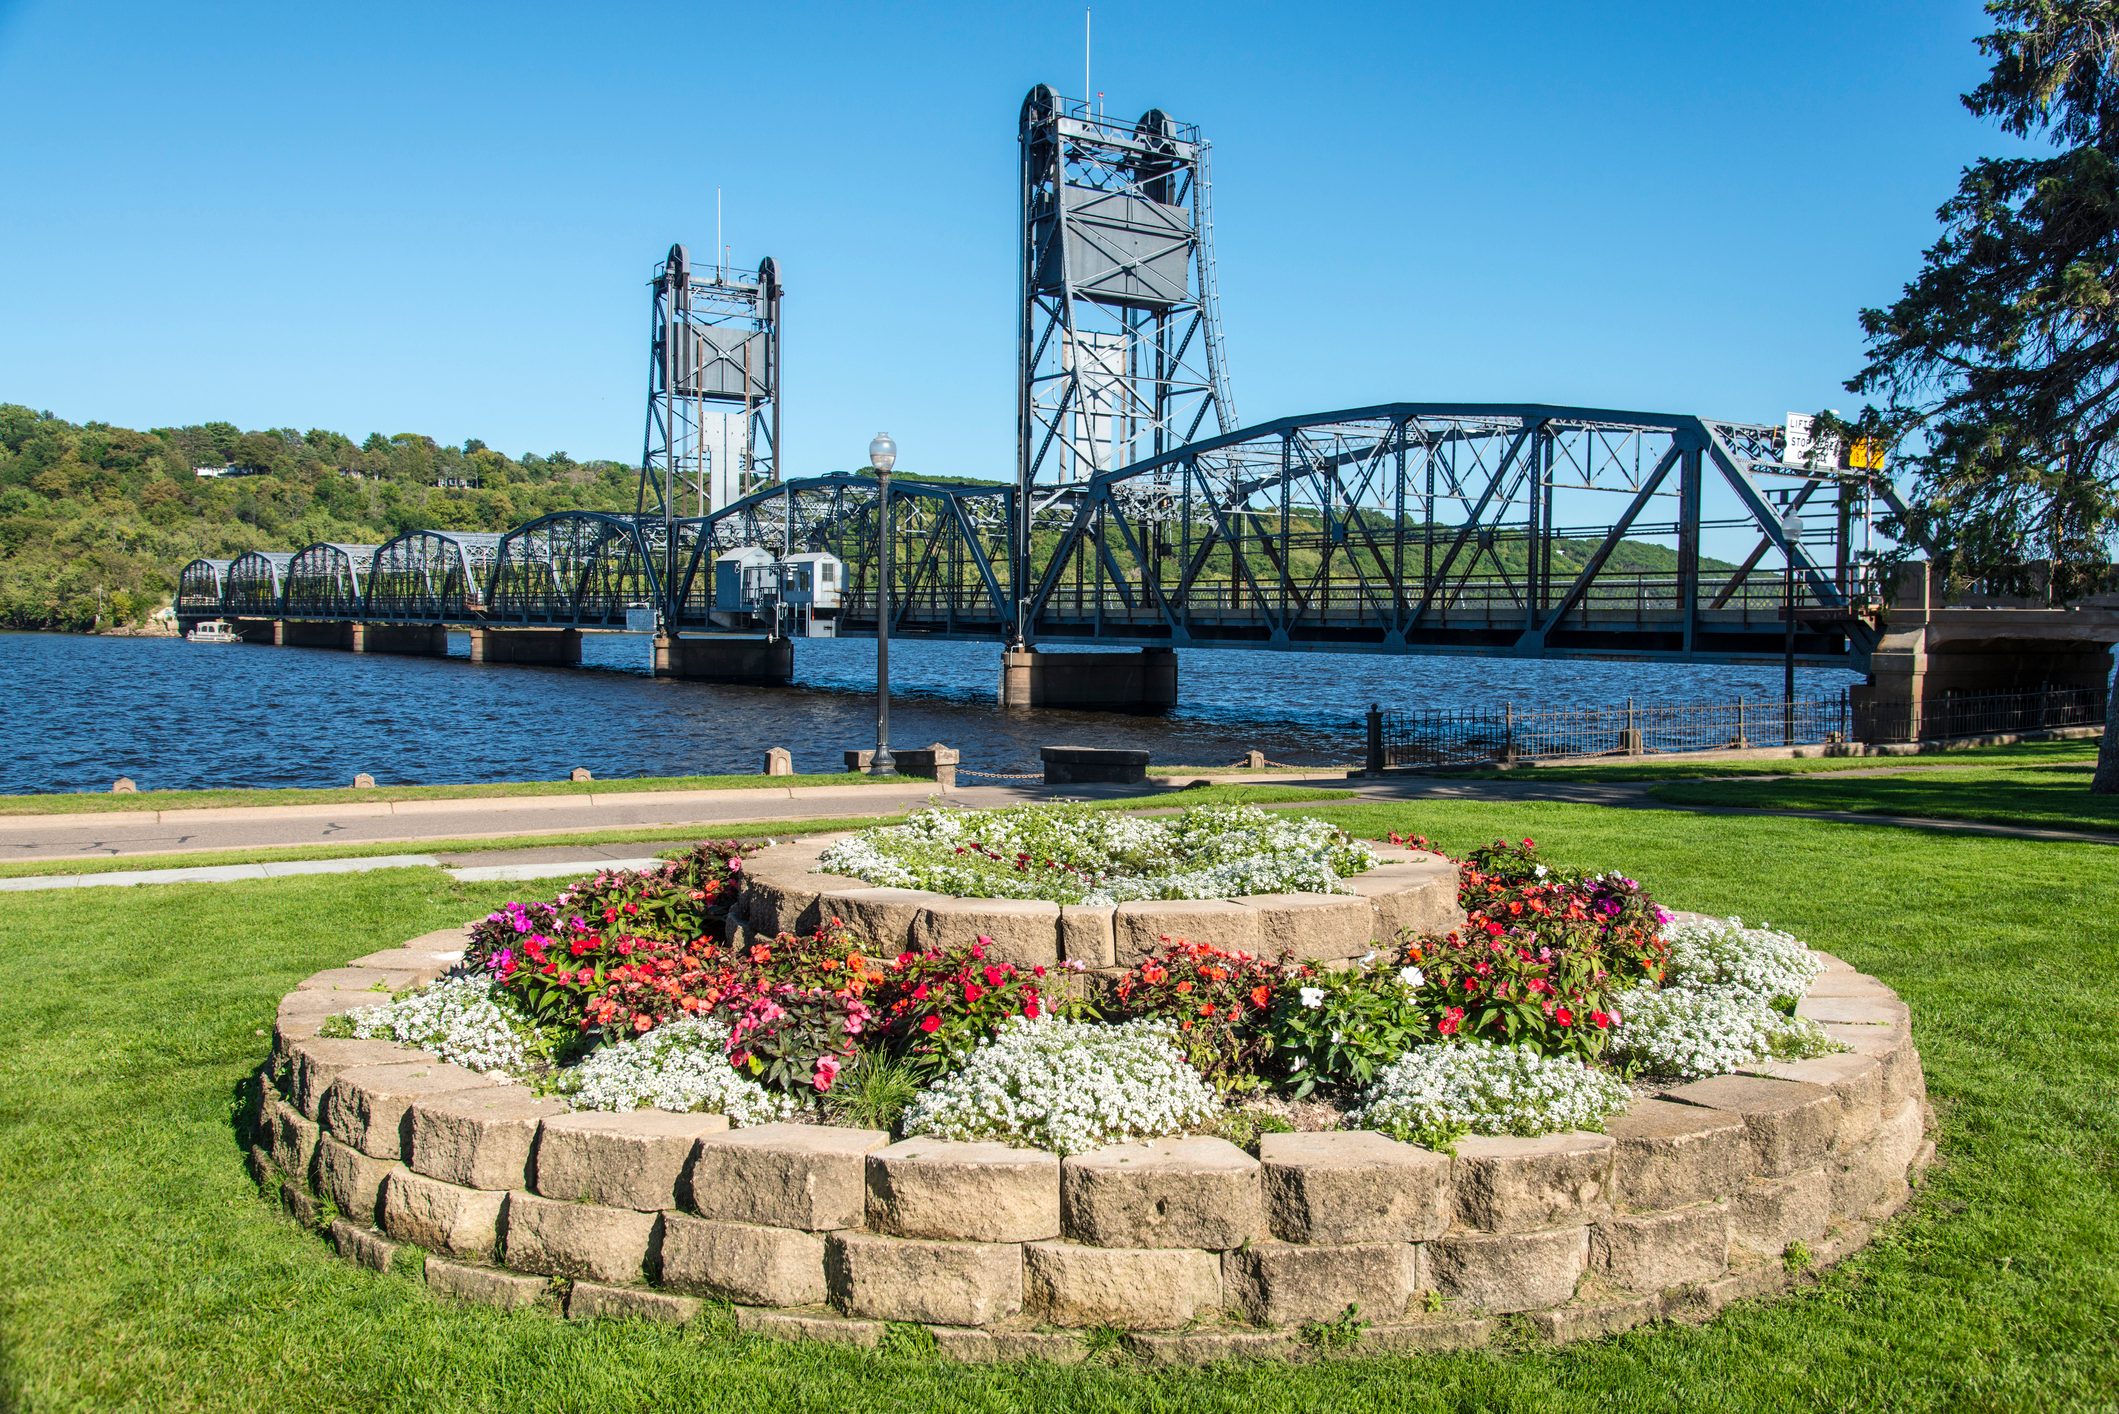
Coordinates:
<point>1691,1199</point>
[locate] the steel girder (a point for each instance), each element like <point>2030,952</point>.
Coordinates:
<point>202,588</point>
<point>254,584</point>
<point>949,545</point>
<point>432,576</point>
<point>576,569</point>
<point>327,581</point>
<point>1440,527</point>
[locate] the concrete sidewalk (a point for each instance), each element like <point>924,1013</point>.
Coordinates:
<point>119,834</point>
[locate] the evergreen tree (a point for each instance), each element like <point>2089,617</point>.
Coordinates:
<point>1997,369</point>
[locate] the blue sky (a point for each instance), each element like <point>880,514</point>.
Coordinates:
<point>440,218</point>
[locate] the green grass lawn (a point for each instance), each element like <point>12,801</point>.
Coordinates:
<point>1239,794</point>
<point>1674,768</point>
<point>76,803</point>
<point>86,803</point>
<point>140,1268</point>
<point>2056,795</point>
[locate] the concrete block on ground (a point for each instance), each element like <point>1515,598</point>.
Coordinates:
<point>478,1138</point>
<point>362,1245</point>
<point>906,1279</point>
<point>1659,1250</point>
<point>936,1188</point>
<point>1354,1186</point>
<point>441,1217</point>
<point>1509,1271</point>
<point>592,1301</point>
<point>1669,1155</point>
<point>807,1176</point>
<point>1137,1288</point>
<point>759,1266</point>
<point>1788,1125</point>
<point>1192,1192</point>
<point>1507,1184</point>
<point>1285,1284</point>
<point>585,1240</point>
<point>635,1159</point>
<point>487,1286</point>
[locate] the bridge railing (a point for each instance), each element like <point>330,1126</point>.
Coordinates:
<point>1431,737</point>
<point>1443,736</point>
<point>1973,714</point>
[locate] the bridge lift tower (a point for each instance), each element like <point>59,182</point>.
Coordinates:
<point>1121,348</point>
<point>713,406</point>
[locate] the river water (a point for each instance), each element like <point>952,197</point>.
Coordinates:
<point>77,712</point>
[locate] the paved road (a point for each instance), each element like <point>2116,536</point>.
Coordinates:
<point>119,834</point>
<point>690,814</point>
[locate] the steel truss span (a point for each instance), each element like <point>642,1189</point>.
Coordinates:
<point>1508,529</point>
<point>1521,530</point>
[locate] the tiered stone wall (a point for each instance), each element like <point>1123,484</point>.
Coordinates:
<point>1694,1198</point>
<point>1408,891</point>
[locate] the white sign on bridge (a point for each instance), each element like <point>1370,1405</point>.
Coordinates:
<point>1804,447</point>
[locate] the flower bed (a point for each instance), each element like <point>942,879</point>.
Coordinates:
<point>620,1044</point>
<point>1073,856</point>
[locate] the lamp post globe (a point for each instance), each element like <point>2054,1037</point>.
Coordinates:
<point>883,455</point>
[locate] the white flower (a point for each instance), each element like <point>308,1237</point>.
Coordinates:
<point>1076,856</point>
<point>1769,965</point>
<point>1067,1086</point>
<point>1694,1031</point>
<point>1412,977</point>
<point>681,1065</point>
<point>1433,1093</point>
<point>467,1021</point>
<point>1312,996</point>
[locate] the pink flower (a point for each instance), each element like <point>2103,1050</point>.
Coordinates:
<point>827,1071</point>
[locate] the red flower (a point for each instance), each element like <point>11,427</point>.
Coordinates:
<point>1602,1020</point>
<point>1030,1009</point>
<point>973,991</point>
<point>930,1024</point>
<point>1564,1016</point>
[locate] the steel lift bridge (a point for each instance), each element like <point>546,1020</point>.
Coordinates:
<point>1142,517</point>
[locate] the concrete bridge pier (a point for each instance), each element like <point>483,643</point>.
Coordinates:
<point>556,646</point>
<point>725,658</point>
<point>1127,681</point>
<point>415,640</point>
<point>305,633</point>
<point>256,630</point>
<point>1934,653</point>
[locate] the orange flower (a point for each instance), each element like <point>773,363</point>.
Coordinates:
<point>1260,995</point>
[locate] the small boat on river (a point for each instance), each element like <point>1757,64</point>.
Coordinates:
<point>213,631</point>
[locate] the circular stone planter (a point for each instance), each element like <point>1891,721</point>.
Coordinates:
<point>1705,1193</point>
<point>1408,891</point>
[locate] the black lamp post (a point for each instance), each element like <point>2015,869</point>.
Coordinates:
<point>883,455</point>
<point>1791,532</point>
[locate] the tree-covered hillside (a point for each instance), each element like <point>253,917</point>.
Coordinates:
<point>96,521</point>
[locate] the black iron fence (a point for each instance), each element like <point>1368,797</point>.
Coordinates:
<point>1507,733</point>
